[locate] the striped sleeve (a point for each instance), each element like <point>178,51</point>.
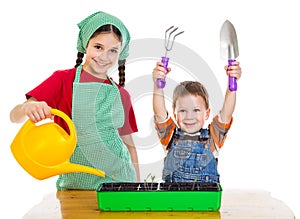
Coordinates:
<point>165,130</point>
<point>218,132</point>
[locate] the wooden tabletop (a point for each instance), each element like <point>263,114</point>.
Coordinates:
<point>75,204</point>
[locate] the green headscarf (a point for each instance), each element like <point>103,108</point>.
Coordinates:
<point>90,24</point>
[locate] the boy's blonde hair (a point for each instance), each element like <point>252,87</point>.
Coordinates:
<point>190,88</point>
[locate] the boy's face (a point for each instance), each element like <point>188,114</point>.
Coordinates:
<point>190,113</point>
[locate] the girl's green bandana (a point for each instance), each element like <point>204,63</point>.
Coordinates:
<point>90,24</point>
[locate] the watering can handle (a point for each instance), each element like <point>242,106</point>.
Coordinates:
<point>161,82</point>
<point>232,85</point>
<point>67,119</point>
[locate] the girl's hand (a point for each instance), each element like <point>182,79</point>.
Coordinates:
<point>37,111</point>
<point>234,70</point>
<point>159,71</point>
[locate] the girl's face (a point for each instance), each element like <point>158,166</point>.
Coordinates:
<point>102,52</point>
<point>190,113</point>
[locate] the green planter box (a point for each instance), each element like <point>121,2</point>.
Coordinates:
<point>159,196</point>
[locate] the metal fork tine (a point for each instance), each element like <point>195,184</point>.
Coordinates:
<point>168,41</point>
<point>173,30</point>
<point>169,48</point>
<point>167,38</point>
<point>169,29</point>
<point>167,33</point>
<point>176,36</point>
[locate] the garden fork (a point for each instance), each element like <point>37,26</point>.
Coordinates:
<point>161,82</point>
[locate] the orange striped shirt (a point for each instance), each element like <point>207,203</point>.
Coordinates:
<point>218,132</point>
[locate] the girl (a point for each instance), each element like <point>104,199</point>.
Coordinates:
<point>100,109</point>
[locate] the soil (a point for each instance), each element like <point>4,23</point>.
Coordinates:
<point>119,186</point>
<point>189,186</point>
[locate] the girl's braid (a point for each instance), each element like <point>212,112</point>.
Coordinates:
<point>121,69</point>
<point>80,56</point>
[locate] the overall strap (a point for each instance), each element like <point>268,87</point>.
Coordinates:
<point>202,136</point>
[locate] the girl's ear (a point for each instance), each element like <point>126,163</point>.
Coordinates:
<point>207,114</point>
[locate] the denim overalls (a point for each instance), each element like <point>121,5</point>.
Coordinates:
<point>190,159</point>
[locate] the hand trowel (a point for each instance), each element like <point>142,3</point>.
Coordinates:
<point>229,49</point>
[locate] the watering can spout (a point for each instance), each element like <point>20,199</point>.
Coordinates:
<point>43,172</point>
<point>44,150</point>
<point>68,167</point>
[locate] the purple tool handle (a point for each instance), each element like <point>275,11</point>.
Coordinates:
<point>161,82</point>
<point>232,85</point>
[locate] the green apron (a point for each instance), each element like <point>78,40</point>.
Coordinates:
<point>97,113</point>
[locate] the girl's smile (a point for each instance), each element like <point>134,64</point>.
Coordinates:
<point>100,64</point>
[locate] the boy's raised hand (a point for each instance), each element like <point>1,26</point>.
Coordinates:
<point>234,70</point>
<point>159,71</point>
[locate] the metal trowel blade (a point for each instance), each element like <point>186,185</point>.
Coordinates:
<point>228,41</point>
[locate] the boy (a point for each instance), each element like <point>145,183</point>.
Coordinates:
<point>192,150</point>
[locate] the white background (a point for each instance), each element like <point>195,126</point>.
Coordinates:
<point>39,37</point>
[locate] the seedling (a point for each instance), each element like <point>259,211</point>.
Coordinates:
<point>146,181</point>
<point>195,180</point>
<point>112,181</point>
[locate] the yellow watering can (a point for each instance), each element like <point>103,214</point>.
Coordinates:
<point>44,150</point>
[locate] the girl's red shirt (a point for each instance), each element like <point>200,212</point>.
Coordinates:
<point>57,90</point>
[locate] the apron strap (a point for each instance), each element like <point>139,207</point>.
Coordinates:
<point>77,75</point>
